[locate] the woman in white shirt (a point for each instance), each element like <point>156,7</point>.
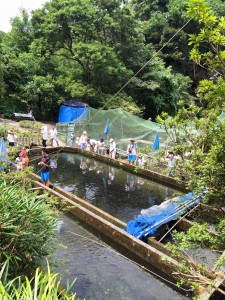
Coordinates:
<point>44,132</point>
<point>53,136</point>
<point>112,148</point>
<point>101,147</point>
<point>11,137</point>
<point>83,140</point>
<point>132,152</point>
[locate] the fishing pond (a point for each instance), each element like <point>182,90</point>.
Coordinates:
<point>111,189</point>
<point>101,271</point>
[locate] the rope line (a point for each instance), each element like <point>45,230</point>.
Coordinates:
<point>132,261</point>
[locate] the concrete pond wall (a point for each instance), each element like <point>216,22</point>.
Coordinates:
<point>153,253</point>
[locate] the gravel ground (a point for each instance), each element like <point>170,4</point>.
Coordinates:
<point>17,123</point>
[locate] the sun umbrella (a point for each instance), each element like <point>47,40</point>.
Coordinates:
<point>3,151</point>
<point>155,144</point>
<point>106,131</point>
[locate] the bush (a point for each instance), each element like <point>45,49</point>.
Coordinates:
<point>26,227</point>
<point>31,125</point>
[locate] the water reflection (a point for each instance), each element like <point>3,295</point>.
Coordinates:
<point>111,189</point>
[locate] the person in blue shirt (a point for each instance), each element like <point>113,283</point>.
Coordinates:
<point>45,167</point>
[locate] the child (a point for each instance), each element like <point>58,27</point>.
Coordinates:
<point>18,162</point>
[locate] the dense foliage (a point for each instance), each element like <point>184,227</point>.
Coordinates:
<point>27,224</point>
<point>27,234</point>
<point>41,286</point>
<point>92,49</point>
<point>199,128</point>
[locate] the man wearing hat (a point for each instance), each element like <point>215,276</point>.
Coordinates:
<point>83,140</point>
<point>45,167</point>
<point>132,152</point>
<point>112,148</point>
<point>11,137</point>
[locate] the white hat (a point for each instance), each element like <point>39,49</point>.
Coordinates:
<point>111,140</point>
<point>84,132</point>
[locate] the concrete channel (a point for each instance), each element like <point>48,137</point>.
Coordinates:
<point>152,253</point>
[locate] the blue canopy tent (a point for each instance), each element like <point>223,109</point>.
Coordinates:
<point>71,110</point>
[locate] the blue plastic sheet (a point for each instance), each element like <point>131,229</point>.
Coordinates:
<point>69,114</point>
<point>152,218</point>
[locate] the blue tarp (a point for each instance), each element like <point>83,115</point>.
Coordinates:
<point>71,110</point>
<point>152,218</point>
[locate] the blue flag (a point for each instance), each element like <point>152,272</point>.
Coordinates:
<point>3,151</point>
<point>155,144</point>
<point>106,131</point>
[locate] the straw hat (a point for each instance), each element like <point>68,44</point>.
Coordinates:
<point>111,140</point>
<point>132,140</point>
<point>11,131</point>
<point>84,132</point>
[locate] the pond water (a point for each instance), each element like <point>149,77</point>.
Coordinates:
<point>102,273</point>
<point>111,189</point>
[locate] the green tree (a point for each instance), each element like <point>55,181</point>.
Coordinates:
<point>204,142</point>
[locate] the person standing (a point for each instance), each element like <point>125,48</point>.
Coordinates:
<point>132,152</point>
<point>101,147</point>
<point>171,163</point>
<point>11,137</point>
<point>44,132</point>
<point>53,136</point>
<point>83,140</point>
<point>45,167</point>
<point>112,148</point>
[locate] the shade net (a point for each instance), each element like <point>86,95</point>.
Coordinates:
<point>121,125</point>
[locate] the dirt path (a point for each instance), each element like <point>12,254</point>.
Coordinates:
<point>16,124</point>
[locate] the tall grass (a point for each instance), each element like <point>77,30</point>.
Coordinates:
<point>43,286</point>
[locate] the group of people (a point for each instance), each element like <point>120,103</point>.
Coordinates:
<point>52,134</point>
<point>22,161</point>
<point>96,146</point>
<point>99,147</point>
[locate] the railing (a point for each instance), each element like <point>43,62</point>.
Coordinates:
<point>27,142</point>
